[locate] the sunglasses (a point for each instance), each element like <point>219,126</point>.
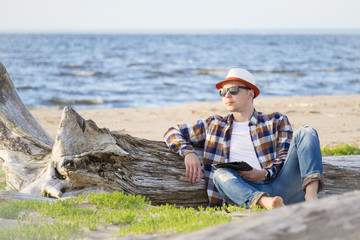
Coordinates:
<point>232,90</point>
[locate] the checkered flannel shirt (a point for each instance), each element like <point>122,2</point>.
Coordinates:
<point>270,134</point>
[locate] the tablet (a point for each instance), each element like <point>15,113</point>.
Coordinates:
<point>238,166</point>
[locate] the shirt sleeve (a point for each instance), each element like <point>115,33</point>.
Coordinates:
<point>284,136</point>
<point>183,138</point>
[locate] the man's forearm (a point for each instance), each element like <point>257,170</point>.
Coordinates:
<point>177,143</point>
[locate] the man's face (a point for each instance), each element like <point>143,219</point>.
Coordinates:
<point>239,102</point>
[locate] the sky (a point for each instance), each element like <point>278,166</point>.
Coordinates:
<point>112,16</point>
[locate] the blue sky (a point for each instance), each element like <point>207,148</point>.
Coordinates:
<point>176,15</point>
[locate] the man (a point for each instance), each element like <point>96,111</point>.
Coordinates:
<point>286,169</point>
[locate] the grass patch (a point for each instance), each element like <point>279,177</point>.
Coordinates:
<point>2,178</point>
<point>133,215</point>
<point>340,150</point>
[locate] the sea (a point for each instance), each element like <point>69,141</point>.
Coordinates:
<point>156,70</point>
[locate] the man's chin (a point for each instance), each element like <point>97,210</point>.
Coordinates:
<point>230,108</point>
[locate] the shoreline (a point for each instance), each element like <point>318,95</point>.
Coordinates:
<point>335,117</point>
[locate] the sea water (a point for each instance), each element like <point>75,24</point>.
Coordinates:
<point>154,70</point>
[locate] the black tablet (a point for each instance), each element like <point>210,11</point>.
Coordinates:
<point>238,166</point>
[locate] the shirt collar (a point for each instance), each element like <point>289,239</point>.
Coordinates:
<point>230,119</point>
<point>255,118</point>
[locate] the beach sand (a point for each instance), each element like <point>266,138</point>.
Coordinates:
<point>335,117</point>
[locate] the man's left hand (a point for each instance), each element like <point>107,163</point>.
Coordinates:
<point>254,175</point>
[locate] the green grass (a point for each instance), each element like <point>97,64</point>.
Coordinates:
<point>340,150</point>
<point>2,179</point>
<point>133,215</point>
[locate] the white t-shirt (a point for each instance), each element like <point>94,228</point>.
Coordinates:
<point>241,146</point>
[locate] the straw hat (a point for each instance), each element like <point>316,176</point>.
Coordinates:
<point>243,76</point>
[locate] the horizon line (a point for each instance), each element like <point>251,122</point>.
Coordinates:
<point>189,31</point>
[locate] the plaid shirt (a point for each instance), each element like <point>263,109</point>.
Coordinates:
<point>270,134</point>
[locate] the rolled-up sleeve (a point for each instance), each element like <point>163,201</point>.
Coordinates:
<point>183,138</point>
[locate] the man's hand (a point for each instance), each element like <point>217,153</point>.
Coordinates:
<point>253,175</point>
<point>193,167</point>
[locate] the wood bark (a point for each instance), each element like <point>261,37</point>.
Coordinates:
<point>336,217</point>
<point>84,158</point>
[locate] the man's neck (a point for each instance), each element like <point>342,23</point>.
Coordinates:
<point>243,116</point>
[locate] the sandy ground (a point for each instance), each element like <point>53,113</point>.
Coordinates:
<point>336,118</point>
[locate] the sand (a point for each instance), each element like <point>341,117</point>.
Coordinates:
<point>336,117</point>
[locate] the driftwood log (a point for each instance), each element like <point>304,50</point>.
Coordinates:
<point>333,218</point>
<point>84,158</point>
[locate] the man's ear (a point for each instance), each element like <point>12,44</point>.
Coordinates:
<point>251,93</point>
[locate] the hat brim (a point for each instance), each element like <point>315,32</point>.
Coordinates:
<point>253,87</point>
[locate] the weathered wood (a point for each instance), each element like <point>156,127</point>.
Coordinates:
<point>114,161</point>
<point>24,144</point>
<point>342,174</point>
<point>336,217</point>
<point>18,196</point>
<point>15,116</point>
<point>85,158</point>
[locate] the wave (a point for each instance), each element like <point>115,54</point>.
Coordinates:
<point>95,101</point>
<point>72,66</point>
<point>25,88</point>
<point>137,64</point>
<point>332,69</point>
<point>224,71</point>
<point>285,72</point>
<point>154,74</point>
<point>82,73</point>
<point>211,71</point>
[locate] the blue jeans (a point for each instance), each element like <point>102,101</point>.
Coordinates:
<point>303,165</point>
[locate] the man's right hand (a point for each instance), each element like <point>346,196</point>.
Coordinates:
<point>193,167</point>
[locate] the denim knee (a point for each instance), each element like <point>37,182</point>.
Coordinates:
<point>218,176</point>
<point>215,176</point>
<point>309,137</point>
<point>306,131</point>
